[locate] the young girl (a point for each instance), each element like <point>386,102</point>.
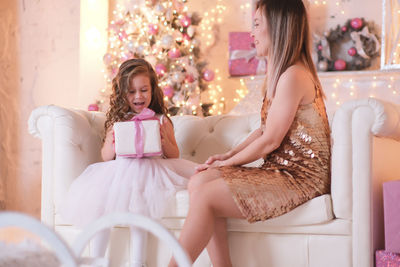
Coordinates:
<point>128,184</point>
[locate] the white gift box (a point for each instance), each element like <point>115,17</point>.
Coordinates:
<point>125,134</point>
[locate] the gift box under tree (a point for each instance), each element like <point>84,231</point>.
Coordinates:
<point>387,259</point>
<point>243,58</point>
<point>391,206</point>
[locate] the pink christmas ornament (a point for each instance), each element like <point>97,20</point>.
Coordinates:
<point>107,58</point>
<point>356,23</point>
<point>340,64</point>
<point>208,75</point>
<point>168,91</point>
<point>114,72</point>
<point>186,37</point>
<point>352,51</point>
<point>113,27</point>
<point>161,69</point>
<point>93,107</point>
<point>185,21</point>
<point>122,35</point>
<point>344,29</point>
<point>174,53</point>
<point>189,78</point>
<point>153,29</point>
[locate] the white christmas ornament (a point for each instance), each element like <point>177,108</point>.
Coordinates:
<point>178,77</point>
<point>191,30</point>
<point>167,41</point>
<point>323,65</point>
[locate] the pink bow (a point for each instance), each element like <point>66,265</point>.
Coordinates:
<point>146,114</point>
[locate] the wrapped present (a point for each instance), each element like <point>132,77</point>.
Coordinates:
<point>385,258</point>
<point>391,206</point>
<point>243,58</point>
<point>139,137</point>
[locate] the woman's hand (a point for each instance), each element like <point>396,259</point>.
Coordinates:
<point>214,164</point>
<point>219,157</point>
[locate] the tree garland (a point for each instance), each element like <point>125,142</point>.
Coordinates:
<point>365,47</point>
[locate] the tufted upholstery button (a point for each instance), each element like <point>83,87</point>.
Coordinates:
<point>193,153</point>
<point>211,130</point>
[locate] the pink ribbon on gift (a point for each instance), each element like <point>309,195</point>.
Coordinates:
<point>146,114</point>
<point>248,55</point>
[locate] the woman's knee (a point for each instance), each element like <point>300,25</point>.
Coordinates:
<point>196,181</point>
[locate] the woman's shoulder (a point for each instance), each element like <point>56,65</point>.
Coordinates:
<point>297,75</point>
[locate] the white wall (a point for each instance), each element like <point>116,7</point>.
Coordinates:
<point>39,65</point>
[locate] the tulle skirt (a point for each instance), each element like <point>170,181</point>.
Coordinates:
<point>144,186</point>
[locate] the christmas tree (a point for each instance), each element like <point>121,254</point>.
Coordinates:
<point>168,36</point>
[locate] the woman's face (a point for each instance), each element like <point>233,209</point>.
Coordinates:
<point>260,33</point>
<point>139,93</point>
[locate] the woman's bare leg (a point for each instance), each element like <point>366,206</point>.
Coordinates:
<point>207,202</point>
<point>217,248</point>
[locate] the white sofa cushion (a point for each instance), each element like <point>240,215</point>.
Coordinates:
<point>317,210</point>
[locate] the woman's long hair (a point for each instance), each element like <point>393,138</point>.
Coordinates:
<point>119,107</point>
<point>290,39</point>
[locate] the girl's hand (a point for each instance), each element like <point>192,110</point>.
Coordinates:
<point>215,164</point>
<point>107,151</point>
<point>168,142</point>
<point>219,157</point>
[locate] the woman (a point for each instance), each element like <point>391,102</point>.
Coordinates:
<point>294,140</point>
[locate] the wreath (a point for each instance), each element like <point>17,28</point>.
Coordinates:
<point>363,49</point>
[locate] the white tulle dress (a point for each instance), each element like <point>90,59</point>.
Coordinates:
<point>142,186</point>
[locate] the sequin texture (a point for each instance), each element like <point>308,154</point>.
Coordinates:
<point>297,171</point>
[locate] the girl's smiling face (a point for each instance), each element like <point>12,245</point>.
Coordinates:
<point>139,93</point>
<point>260,33</point>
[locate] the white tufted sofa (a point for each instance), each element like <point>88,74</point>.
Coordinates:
<point>340,229</point>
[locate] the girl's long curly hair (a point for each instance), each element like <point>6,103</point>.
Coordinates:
<point>119,107</point>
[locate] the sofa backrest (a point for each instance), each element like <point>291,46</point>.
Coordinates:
<point>199,138</point>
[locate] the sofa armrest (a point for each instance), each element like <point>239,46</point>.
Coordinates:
<point>71,140</point>
<point>361,131</point>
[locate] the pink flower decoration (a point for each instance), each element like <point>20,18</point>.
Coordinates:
<point>161,69</point>
<point>208,75</point>
<point>93,107</point>
<point>356,23</point>
<point>174,53</point>
<point>168,91</point>
<point>344,29</point>
<point>352,51</point>
<point>319,47</point>
<point>340,64</point>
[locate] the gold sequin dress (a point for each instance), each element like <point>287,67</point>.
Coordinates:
<point>297,171</point>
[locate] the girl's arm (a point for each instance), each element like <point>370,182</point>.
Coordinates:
<point>168,142</point>
<point>107,151</point>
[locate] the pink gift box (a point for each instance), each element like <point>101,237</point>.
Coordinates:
<point>242,55</point>
<point>391,206</point>
<point>387,259</point>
